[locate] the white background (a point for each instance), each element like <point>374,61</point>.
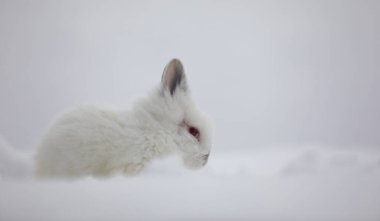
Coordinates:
<point>292,88</point>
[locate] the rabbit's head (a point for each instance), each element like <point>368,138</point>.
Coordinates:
<point>173,109</point>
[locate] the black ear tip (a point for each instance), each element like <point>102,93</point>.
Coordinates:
<point>176,66</point>
<point>176,62</point>
<point>173,75</point>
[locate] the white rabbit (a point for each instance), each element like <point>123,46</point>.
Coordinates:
<point>100,141</point>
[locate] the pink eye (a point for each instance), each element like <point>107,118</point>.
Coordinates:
<point>195,132</point>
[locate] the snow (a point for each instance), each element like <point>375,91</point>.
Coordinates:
<point>267,72</point>
<point>278,183</point>
<point>13,163</point>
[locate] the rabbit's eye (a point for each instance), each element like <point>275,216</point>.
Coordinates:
<point>195,132</point>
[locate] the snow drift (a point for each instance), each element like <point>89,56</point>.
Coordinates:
<point>278,183</point>
<point>13,164</point>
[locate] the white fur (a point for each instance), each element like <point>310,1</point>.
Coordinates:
<point>99,141</point>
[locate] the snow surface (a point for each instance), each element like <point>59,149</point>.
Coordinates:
<point>13,164</point>
<point>267,72</point>
<point>278,183</point>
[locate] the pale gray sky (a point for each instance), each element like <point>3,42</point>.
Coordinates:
<point>267,72</point>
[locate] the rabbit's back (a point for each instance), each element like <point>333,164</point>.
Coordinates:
<point>90,141</point>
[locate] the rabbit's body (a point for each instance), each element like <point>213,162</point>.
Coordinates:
<point>99,141</point>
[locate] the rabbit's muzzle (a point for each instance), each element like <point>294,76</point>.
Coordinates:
<point>196,161</point>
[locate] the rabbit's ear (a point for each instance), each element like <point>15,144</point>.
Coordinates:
<point>174,77</point>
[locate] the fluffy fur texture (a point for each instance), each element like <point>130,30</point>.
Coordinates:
<point>100,141</point>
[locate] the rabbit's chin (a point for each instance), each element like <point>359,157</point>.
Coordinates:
<point>195,161</point>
